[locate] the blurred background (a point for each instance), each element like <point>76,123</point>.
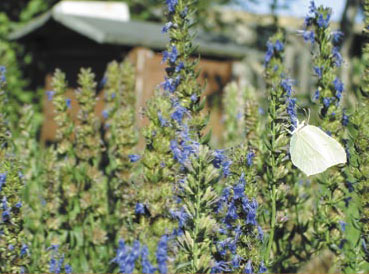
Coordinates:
<point>38,36</point>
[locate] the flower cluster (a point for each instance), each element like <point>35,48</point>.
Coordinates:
<point>317,31</point>
<point>329,92</point>
<point>175,123</point>
<point>238,227</point>
<point>57,262</point>
<point>127,258</point>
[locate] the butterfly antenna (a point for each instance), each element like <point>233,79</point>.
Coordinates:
<point>308,116</point>
<point>307,113</point>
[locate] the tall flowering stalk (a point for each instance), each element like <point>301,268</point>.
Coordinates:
<point>359,167</point>
<point>61,105</point>
<point>281,191</point>
<point>121,137</point>
<point>91,200</point>
<point>13,249</point>
<point>329,207</point>
<point>240,238</point>
<point>197,199</point>
<point>167,112</point>
<point>276,165</point>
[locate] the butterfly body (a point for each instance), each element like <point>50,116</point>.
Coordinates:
<point>313,151</point>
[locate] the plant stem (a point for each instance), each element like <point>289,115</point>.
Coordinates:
<point>272,225</point>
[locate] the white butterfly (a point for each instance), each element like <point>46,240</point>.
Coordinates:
<point>313,151</point>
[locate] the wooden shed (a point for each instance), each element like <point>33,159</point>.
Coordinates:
<point>70,41</point>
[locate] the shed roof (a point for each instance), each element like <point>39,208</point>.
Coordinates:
<point>131,33</point>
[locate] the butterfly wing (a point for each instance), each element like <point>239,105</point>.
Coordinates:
<point>313,151</point>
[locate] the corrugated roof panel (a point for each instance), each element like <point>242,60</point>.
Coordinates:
<point>132,33</point>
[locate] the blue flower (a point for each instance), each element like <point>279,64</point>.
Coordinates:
<point>179,112</point>
<point>342,225</point>
<point>345,120</point>
<point>68,102</point>
<point>125,258</point>
<point>236,261</point>
<point>2,74</point>
<point>323,22</point>
<point>219,157</point>
<point>50,94</point>
<point>316,95</point>
<point>68,269</point>
<point>221,161</point>
<point>326,101</point>
<point>140,208</point>
<point>309,36</point>
<point>163,122</point>
<point>239,189</point>
<point>262,268</point>
<point>147,267</point>
<point>60,264</point>
<point>337,37</point>
<point>18,205</point>
<point>167,27</point>
<point>312,7</point>
<point>52,265</point>
<point>173,54</point>
<point>179,67</point>
<point>220,267</point>
<point>184,12</point>
<point>226,165</point>
<point>318,71</point>
<point>251,212</point>
<point>165,56</point>
<point>171,5</point>
<point>10,247</point>
<point>291,110</point>
<point>24,250</point>
<point>337,56</point>
<point>232,211</point>
<point>269,54</point>
<point>278,45</point>
<point>260,233</point>
<point>248,268</point>
<point>338,86</point>
<point>5,215</point>
<point>134,158</point>
<point>105,114</point>
<point>171,84</point>
<point>287,86</point>
<point>194,97</point>
<point>181,215</point>
<point>161,254</point>
<point>2,180</point>
<point>6,211</point>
